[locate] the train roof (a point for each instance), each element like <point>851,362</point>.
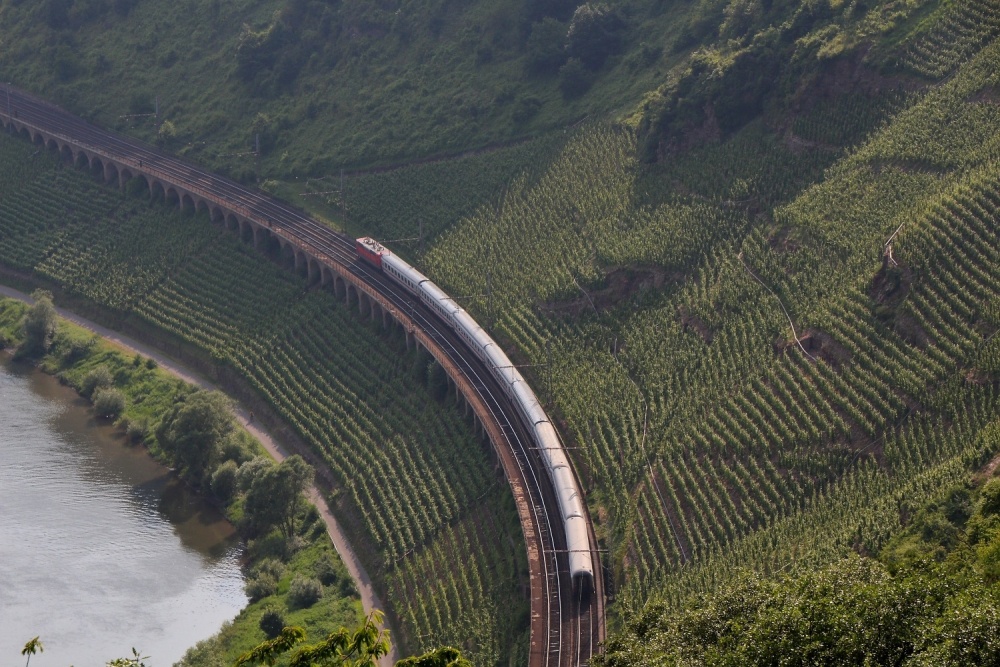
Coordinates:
<point>374,246</point>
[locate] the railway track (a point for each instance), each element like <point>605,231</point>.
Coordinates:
<point>567,624</point>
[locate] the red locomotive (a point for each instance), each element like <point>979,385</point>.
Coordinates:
<point>370,250</point>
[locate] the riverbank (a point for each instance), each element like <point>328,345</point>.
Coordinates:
<point>101,546</point>
<point>126,347</point>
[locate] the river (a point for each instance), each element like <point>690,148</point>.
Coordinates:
<point>101,548</point>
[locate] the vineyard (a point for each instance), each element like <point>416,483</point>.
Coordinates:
<point>712,436</point>
<point>412,480</point>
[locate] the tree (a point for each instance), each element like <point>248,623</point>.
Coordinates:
<point>574,79</point>
<point>344,648</point>
<point>445,656</point>
<point>546,48</point>
<point>39,325</point>
<point>33,646</point>
<point>274,496</point>
<point>195,428</point>
<point>594,34</point>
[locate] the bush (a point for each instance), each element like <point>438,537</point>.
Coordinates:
<point>224,481</point>
<point>304,592</point>
<point>271,566</point>
<point>594,34</point>
<point>109,403</point>
<point>990,503</point>
<point>137,431</point>
<point>260,586</point>
<point>78,349</point>
<point>574,79</point>
<point>272,622</point>
<point>39,325</point>
<point>545,49</point>
<point>97,378</point>
<point>250,470</point>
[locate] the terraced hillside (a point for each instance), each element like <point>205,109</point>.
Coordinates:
<point>411,478</point>
<point>753,378</point>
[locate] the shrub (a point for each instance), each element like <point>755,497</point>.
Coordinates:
<point>109,403</point>
<point>39,325</point>
<point>260,586</point>
<point>137,431</point>
<point>250,470</point>
<point>595,33</point>
<point>574,79</point>
<point>990,498</point>
<point>224,480</point>
<point>97,378</point>
<point>272,622</point>
<point>304,592</point>
<point>271,566</point>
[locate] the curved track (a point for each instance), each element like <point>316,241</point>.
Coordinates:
<point>567,624</point>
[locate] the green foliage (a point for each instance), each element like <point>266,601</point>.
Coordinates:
<point>304,592</point>
<point>260,585</point>
<point>855,611</point>
<point>97,378</point>
<point>272,622</point>
<point>224,480</point>
<point>546,46</point>
<point>109,403</point>
<point>574,79</point>
<point>446,656</point>
<point>39,326</point>
<point>274,497</point>
<point>195,429</point>
<point>595,33</point>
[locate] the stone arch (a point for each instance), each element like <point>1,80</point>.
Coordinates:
<point>201,206</point>
<point>81,160</point>
<point>66,153</point>
<point>339,287</point>
<point>156,191</point>
<point>97,168</point>
<point>301,263</point>
<point>261,238</point>
<point>314,274</point>
<point>172,197</point>
<point>112,175</point>
<point>286,254</point>
<point>187,203</point>
<point>36,138</point>
<point>246,232</point>
<point>218,215</point>
<point>52,145</point>
<point>351,296</point>
<point>232,223</point>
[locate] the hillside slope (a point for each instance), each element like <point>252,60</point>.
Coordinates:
<point>746,251</point>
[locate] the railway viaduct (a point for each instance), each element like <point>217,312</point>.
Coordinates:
<point>203,192</point>
<point>263,233</point>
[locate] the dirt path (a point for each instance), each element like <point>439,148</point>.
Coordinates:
<point>369,599</point>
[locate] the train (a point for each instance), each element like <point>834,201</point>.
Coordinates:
<point>546,439</point>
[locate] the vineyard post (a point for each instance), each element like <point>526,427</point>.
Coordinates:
<point>256,153</point>
<point>548,367</point>
<point>489,298</point>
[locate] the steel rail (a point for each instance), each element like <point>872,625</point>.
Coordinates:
<point>337,249</point>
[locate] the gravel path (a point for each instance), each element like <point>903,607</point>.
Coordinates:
<point>369,599</point>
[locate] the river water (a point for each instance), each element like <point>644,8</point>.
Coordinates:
<point>101,548</point>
